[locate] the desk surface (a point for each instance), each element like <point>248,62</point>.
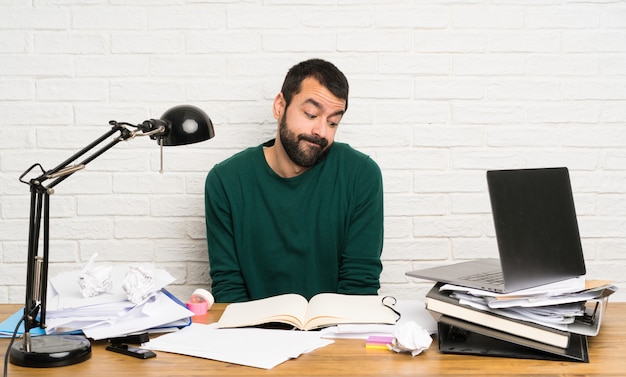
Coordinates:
<point>349,357</point>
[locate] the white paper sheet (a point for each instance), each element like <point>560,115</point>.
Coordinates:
<point>260,348</point>
<point>155,312</point>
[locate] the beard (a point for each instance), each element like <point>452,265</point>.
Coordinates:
<point>307,155</point>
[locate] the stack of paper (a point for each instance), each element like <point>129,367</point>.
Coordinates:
<point>548,319</point>
<point>109,315</point>
<point>579,311</point>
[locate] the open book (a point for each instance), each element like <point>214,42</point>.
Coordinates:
<point>323,310</point>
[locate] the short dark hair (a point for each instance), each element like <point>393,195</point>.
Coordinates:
<point>325,72</point>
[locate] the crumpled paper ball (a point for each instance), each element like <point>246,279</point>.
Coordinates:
<point>139,284</point>
<point>410,337</point>
<point>95,280</point>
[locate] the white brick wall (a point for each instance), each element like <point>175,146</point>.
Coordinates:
<point>441,92</point>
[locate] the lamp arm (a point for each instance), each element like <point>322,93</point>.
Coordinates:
<point>37,266</point>
<point>64,169</point>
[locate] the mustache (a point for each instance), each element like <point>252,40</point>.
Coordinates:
<point>321,141</point>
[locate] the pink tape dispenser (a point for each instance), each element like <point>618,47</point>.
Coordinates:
<point>201,301</point>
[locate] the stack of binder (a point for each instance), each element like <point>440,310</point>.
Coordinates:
<point>539,327</point>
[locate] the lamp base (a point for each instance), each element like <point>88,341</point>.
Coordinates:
<point>49,351</point>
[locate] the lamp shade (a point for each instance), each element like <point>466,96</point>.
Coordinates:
<point>186,125</point>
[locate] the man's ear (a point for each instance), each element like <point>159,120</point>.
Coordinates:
<point>279,106</point>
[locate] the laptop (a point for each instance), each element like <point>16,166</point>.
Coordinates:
<point>536,231</point>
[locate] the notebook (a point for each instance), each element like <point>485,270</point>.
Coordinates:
<point>536,231</point>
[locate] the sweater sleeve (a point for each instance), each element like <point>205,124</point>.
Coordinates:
<point>227,283</point>
<point>360,265</point>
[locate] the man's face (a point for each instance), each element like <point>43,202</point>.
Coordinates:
<point>308,125</point>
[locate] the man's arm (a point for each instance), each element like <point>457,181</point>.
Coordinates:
<point>227,283</point>
<point>360,266</point>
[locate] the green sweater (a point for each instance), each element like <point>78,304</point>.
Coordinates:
<point>321,231</point>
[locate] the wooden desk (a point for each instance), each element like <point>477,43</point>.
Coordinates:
<point>349,357</point>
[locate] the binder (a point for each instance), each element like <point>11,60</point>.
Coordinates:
<point>440,303</point>
<point>456,336</point>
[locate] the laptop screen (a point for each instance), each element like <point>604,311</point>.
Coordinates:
<point>536,225</point>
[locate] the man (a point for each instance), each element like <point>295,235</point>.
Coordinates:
<point>300,213</point>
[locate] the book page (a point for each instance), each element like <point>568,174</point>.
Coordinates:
<point>328,309</point>
<point>288,308</point>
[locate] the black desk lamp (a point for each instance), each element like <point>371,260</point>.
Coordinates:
<point>178,126</point>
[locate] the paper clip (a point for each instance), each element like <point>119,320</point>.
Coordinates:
<point>590,319</point>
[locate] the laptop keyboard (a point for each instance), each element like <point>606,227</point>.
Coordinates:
<point>494,277</point>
